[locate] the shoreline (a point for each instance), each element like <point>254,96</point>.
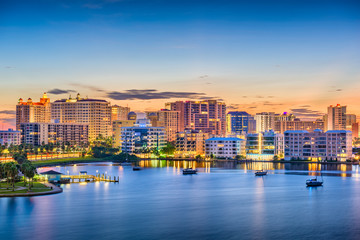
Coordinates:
<point>63,162</point>
<point>55,190</point>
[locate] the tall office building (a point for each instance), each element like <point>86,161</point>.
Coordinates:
<point>119,113</point>
<point>265,121</point>
<point>336,117</point>
<point>96,113</point>
<point>167,119</point>
<point>208,116</point>
<point>240,123</point>
<point>29,111</point>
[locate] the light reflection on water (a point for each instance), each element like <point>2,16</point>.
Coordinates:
<point>224,201</point>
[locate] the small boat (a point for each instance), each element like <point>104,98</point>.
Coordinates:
<point>314,182</point>
<point>136,168</point>
<point>189,171</point>
<point>260,173</point>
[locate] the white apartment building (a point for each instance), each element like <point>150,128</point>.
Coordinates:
<point>333,145</point>
<point>224,147</point>
<point>265,121</point>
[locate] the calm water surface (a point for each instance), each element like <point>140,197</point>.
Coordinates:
<point>223,201</point>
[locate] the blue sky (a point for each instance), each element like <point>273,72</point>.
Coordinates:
<point>255,55</point>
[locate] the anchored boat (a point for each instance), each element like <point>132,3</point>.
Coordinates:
<point>260,173</point>
<point>189,171</point>
<point>314,182</point>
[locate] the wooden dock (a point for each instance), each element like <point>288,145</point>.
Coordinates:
<point>89,178</point>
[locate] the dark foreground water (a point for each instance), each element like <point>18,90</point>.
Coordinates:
<point>223,201</point>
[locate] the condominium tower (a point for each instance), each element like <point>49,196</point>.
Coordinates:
<point>208,116</point>
<point>96,113</point>
<point>29,111</point>
<point>336,117</point>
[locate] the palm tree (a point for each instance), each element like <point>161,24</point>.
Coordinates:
<point>29,171</point>
<point>11,173</point>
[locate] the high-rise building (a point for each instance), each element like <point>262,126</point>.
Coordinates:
<point>297,124</point>
<point>119,113</point>
<point>333,145</point>
<point>9,137</point>
<point>142,136</point>
<point>45,133</point>
<point>29,111</point>
<point>167,119</point>
<point>265,121</point>
<point>190,143</point>
<point>96,113</point>
<point>208,116</point>
<point>336,117</point>
<point>240,123</point>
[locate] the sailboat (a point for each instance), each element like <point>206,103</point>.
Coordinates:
<point>261,172</point>
<point>314,182</point>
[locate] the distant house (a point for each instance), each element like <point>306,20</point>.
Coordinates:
<point>52,176</point>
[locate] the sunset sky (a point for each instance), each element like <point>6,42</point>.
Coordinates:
<point>294,56</point>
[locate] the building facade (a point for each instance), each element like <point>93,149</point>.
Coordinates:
<point>117,125</point>
<point>119,113</point>
<point>336,117</point>
<point>190,143</point>
<point>240,123</point>
<point>264,146</point>
<point>265,121</point>
<point>29,111</point>
<point>142,136</point>
<point>297,124</point>
<point>208,116</point>
<point>333,145</point>
<point>95,113</point>
<point>224,147</point>
<point>10,137</point>
<point>57,133</point>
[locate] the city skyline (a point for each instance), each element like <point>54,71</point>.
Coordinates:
<point>256,56</point>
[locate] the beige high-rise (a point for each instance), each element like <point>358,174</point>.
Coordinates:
<point>96,113</point>
<point>29,111</point>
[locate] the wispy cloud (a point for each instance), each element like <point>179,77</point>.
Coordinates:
<point>306,112</point>
<point>148,94</point>
<point>58,91</point>
<point>92,88</point>
<point>8,112</point>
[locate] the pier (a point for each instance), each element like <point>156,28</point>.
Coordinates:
<point>84,177</point>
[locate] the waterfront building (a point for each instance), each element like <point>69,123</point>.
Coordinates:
<point>265,121</point>
<point>190,143</point>
<point>10,137</point>
<point>117,125</point>
<point>29,111</point>
<point>142,136</point>
<point>240,123</point>
<point>208,116</point>
<point>336,117</point>
<point>56,133</point>
<point>333,145</point>
<point>297,124</point>
<point>119,113</point>
<point>96,113</point>
<point>227,148</point>
<point>264,146</point>
<point>355,130</point>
